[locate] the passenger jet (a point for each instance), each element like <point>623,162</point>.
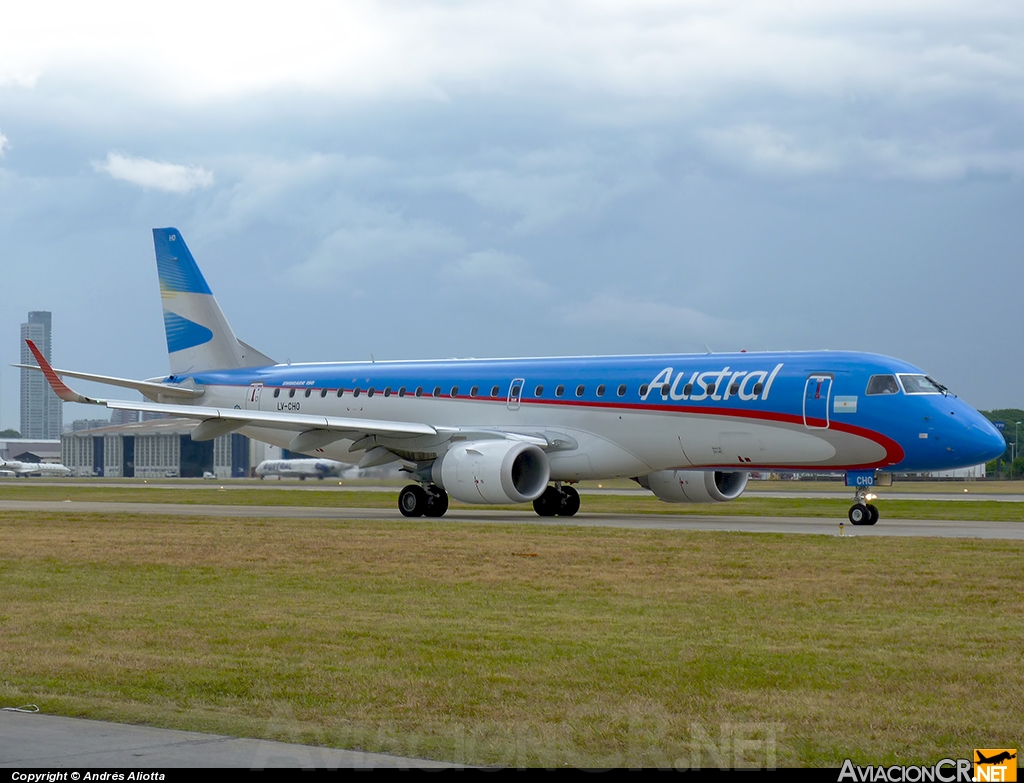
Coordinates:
<point>688,427</point>
<point>21,469</point>
<point>300,468</point>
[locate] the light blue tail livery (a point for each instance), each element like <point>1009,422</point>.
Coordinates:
<point>175,266</point>
<point>198,335</point>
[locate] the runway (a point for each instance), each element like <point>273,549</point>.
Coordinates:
<point>805,525</point>
<point>31,741</point>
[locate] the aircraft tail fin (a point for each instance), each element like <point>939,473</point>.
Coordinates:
<point>198,335</point>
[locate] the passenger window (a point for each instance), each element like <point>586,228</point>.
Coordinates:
<point>369,392</point>
<point>355,392</point>
<point>664,390</point>
<point>341,392</point>
<point>494,391</point>
<point>600,390</point>
<point>419,391</point>
<point>882,384</point>
<point>387,391</point>
<point>734,389</point>
<point>622,390</point>
<point>758,387</point>
<point>401,392</point>
<point>437,391</point>
<point>473,391</point>
<point>579,390</point>
<point>455,391</point>
<point>291,392</point>
<point>277,392</point>
<point>323,392</point>
<point>643,390</point>
<point>711,389</point>
<point>688,389</point>
<point>538,392</point>
<point>559,390</point>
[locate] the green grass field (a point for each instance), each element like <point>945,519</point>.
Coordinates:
<point>519,644</point>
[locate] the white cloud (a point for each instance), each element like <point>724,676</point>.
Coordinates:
<point>697,49</point>
<point>4,144</point>
<point>170,177</point>
<point>768,150</point>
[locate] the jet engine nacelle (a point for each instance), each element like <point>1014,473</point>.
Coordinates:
<point>695,486</point>
<point>493,471</point>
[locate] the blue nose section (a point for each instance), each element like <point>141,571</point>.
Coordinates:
<point>984,440</point>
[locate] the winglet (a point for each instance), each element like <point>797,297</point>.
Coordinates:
<point>60,388</point>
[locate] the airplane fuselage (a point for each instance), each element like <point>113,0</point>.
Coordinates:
<point>630,415</point>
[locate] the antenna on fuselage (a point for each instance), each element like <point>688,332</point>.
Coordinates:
<point>709,348</point>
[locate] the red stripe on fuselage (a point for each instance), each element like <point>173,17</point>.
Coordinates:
<point>894,453</point>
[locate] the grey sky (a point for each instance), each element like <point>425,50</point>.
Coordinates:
<point>479,179</point>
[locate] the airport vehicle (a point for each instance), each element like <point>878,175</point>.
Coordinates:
<point>20,469</point>
<point>688,427</point>
<point>301,468</point>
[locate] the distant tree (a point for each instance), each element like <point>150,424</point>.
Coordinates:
<point>9,434</point>
<point>1018,468</point>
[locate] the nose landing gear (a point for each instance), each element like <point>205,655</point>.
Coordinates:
<point>863,512</point>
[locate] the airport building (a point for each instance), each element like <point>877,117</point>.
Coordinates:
<point>29,450</point>
<point>41,412</point>
<point>154,449</point>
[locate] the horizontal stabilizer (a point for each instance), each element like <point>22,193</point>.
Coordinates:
<point>150,389</point>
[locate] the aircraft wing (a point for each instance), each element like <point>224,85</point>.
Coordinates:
<point>296,422</point>
<point>311,431</point>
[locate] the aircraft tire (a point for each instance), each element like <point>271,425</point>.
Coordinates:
<point>872,514</point>
<point>412,501</point>
<point>548,504</point>
<point>859,514</point>
<point>570,502</point>
<point>437,502</point>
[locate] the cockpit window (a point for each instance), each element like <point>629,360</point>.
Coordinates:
<point>883,384</point>
<point>921,384</point>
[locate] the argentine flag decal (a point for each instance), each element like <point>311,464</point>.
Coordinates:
<point>845,405</point>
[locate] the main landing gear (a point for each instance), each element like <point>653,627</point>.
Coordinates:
<point>557,500</point>
<point>862,512</point>
<point>417,501</point>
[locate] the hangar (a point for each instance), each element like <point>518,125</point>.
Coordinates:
<point>161,448</point>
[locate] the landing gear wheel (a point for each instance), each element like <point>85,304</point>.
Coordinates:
<point>570,502</point>
<point>437,501</point>
<point>412,501</point>
<point>859,514</point>
<point>549,502</point>
<point>872,514</point>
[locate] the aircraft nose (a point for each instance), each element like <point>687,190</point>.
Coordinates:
<point>986,440</point>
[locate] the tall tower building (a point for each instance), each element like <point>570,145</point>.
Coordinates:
<point>41,413</point>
